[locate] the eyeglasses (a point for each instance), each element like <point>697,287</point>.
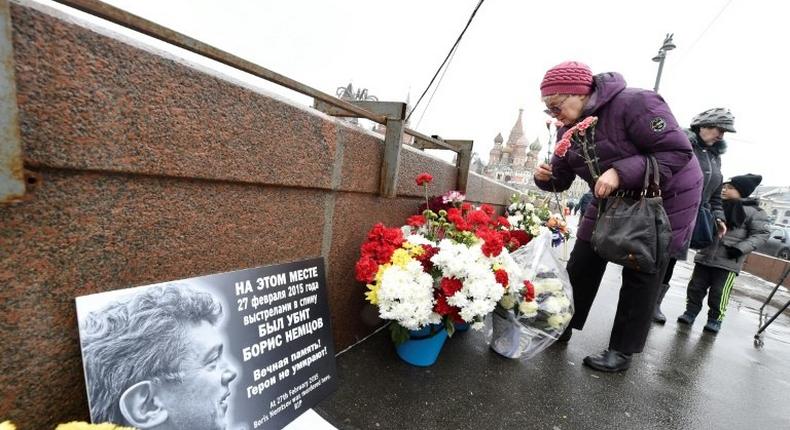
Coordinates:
<point>553,111</point>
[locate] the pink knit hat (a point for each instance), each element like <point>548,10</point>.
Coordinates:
<point>570,77</point>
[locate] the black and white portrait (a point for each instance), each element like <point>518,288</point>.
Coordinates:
<point>156,358</point>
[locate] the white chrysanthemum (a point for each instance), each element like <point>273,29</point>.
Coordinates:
<point>406,296</point>
<point>516,219</point>
<point>418,239</point>
<point>551,305</point>
<point>507,301</point>
<point>547,286</point>
<point>480,291</point>
<point>477,325</point>
<point>558,321</point>
<point>456,259</point>
<point>562,299</point>
<point>529,207</point>
<point>405,230</point>
<point>529,309</point>
<point>534,230</point>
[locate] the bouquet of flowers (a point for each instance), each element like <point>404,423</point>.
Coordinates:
<point>529,319</point>
<point>558,227</point>
<point>446,267</point>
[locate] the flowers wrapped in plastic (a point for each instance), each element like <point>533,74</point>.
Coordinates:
<point>530,318</point>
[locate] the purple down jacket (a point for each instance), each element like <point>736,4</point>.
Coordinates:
<point>631,123</point>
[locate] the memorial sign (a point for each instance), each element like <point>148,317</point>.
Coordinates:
<point>239,350</point>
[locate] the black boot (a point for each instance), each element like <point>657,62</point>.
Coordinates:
<point>658,316</point>
<point>609,360</point>
<point>566,335</point>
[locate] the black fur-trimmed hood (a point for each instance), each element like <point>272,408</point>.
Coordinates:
<point>718,148</point>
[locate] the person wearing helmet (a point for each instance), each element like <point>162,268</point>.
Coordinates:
<point>706,134</point>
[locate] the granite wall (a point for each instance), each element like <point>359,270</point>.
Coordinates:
<point>145,168</point>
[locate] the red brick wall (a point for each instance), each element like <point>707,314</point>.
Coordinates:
<point>151,170</point>
<point>766,267</point>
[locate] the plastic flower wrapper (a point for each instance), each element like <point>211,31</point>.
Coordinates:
<point>528,320</point>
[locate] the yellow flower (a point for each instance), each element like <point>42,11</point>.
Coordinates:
<point>81,425</point>
<point>373,295</point>
<point>400,258</point>
<point>414,250</point>
<point>7,425</point>
<point>497,266</point>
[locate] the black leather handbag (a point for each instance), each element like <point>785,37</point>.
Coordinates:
<point>632,229</point>
<point>704,230</point>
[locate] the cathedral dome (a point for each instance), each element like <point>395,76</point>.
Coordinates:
<point>535,146</point>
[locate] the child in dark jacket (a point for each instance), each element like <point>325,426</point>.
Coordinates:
<point>717,265</point>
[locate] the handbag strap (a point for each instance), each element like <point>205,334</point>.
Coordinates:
<point>651,184</point>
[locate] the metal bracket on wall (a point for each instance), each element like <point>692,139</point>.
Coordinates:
<point>12,177</point>
<point>394,113</point>
<point>462,147</point>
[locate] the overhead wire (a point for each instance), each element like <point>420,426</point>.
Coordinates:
<point>446,58</point>
<point>436,88</point>
<point>701,35</point>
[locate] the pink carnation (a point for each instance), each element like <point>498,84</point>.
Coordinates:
<point>562,147</point>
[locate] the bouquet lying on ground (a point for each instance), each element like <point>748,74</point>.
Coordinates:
<point>528,320</point>
<point>440,268</point>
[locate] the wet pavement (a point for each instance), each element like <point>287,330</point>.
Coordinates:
<point>685,378</point>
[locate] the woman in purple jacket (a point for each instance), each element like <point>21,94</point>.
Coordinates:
<point>631,123</point>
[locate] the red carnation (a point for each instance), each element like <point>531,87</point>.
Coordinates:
<point>466,207</point>
<point>477,217</point>
<point>502,221</point>
<point>529,291</point>
<point>425,257</point>
<point>443,308</point>
<point>501,277</point>
<point>521,235</point>
<point>513,244</point>
<point>454,214</point>
<point>366,269</point>
<point>488,209</point>
<point>493,242</point>
<point>450,286</point>
<point>380,252</point>
<point>424,178</point>
<point>415,220</point>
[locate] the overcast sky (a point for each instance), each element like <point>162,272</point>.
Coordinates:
<point>392,48</point>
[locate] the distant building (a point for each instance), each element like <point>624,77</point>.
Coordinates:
<point>514,162</point>
<point>775,201</point>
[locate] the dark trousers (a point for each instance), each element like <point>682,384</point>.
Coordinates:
<point>720,283</point>
<point>638,294</point>
<point>670,270</point>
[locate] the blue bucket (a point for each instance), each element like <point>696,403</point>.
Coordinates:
<point>423,347</point>
<point>461,327</point>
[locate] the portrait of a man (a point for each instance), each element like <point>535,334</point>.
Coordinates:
<point>157,361</point>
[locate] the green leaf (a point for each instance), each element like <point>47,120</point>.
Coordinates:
<point>449,325</point>
<point>398,333</point>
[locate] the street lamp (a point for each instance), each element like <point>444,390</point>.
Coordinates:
<point>662,54</point>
